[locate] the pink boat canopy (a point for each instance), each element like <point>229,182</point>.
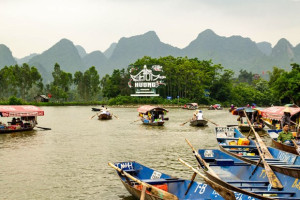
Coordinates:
<point>20,111</point>
<point>276,112</point>
<point>148,108</point>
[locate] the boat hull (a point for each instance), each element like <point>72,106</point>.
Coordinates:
<point>281,146</point>
<point>5,131</point>
<point>198,122</point>
<point>104,116</point>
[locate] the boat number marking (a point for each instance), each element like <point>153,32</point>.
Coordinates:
<point>201,188</point>
<point>155,175</point>
<point>263,173</point>
<point>296,184</point>
<point>287,157</point>
<point>128,165</point>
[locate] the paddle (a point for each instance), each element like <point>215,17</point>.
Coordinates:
<point>262,145</point>
<point>115,116</point>
<point>273,180</point>
<point>200,159</point>
<point>154,190</point>
<point>297,147</point>
<point>211,121</point>
<point>94,115</point>
<point>135,121</point>
<point>43,128</point>
<point>185,122</point>
<point>224,192</point>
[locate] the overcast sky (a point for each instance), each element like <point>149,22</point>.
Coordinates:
<point>33,26</point>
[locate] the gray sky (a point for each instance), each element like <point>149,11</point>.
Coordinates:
<point>33,26</point>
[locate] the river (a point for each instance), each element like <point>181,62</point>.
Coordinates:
<point>71,160</point>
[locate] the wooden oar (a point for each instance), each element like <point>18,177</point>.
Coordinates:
<point>262,145</point>
<point>273,180</point>
<point>115,116</point>
<point>200,159</point>
<point>43,128</point>
<point>297,147</point>
<point>94,115</point>
<point>185,122</point>
<point>224,192</point>
<point>211,121</point>
<point>154,190</point>
<point>135,121</point>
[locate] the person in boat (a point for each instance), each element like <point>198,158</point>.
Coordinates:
<point>19,122</point>
<point>2,125</point>
<point>14,121</point>
<point>286,118</point>
<point>200,115</point>
<point>285,136</point>
<point>240,117</point>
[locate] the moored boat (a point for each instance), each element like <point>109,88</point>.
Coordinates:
<point>280,161</point>
<point>190,106</point>
<point>24,118</point>
<point>246,178</point>
<point>252,114</point>
<point>152,115</point>
<point>291,149</point>
<point>215,107</point>
<point>145,183</point>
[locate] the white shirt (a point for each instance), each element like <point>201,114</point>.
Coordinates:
<point>199,116</point>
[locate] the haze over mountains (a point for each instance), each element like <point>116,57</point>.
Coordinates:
<point>233,52</point>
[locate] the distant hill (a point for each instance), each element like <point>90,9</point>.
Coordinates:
<point>25,59</point>
<point>233,52</point>
<point>6,58</point>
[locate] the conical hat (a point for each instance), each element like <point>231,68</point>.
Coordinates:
<point>287,110</point>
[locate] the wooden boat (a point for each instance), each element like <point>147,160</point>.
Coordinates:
<point>145,183</point>
<point>190,106</point>
<point>215,107</point>
<point>273,116</point>
<point>96,109</point>
<point>279,161</point>
<point>274,134</point>
<point>251,113</point>
<point>105,115</point>
<point>26,114</point>
<point>198,122</point>
<point>246,178</point>
<point>152,115</point>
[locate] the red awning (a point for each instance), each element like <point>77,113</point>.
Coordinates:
<point>276,112</point>
<point>145,109</point>
<point>20,111</point>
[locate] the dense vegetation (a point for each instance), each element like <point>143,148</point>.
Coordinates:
<point>189,79</point>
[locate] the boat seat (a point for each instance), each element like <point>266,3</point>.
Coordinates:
<point>248,182</point>
<point>238,146</point>
<point>227,138</point>
<point>224,162</point>
<point>161,181</point>
<point>273,192</point>
<point>239,151</point>
<point>253,187</point>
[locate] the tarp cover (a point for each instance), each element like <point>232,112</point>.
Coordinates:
<point>20,111</point>
<point>193,104</point>
<point>276,112</point>
<point>147,108</point>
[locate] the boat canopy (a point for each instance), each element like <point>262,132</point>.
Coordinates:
<point>20,111</point>
<point>276,112</point>
<point>241,109</point>
<point>192,104</point>
<point>148,108</point>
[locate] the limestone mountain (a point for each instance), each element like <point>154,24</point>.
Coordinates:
<point>81,51</point>
<point>6,58</point>
<point>25,59</point>
<point>108,52</point>
<point>265,47</point>
<point>128,50</point>
<point>282,53</point>
<point>97,59</point>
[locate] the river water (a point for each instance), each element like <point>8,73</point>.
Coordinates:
<point>71,160</point>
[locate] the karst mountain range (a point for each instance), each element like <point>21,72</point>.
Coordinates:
<point>235,52</point>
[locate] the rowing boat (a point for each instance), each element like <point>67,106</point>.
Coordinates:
<point>200,122</point>
<point>145,183</point>
<point>274,134</point>
<point>152,115</point>
<point>279,161</point>
<point>247,178</point>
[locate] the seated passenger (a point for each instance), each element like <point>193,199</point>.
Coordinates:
<point>285,136</point>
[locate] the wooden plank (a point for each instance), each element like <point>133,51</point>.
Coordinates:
<point>153,190</point>
<point>274,181</point>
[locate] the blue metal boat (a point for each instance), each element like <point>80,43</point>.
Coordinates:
<point>162,186</point>
<point>280,161</point>
<point>246,178</point>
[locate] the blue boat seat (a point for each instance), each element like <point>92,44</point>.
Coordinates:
<point>224,162</point>
<point>272,192</point>
<point>247,182</point>
<point>227,138</point>
<point>253,187</point>
<point>161,181</point>
<point>238,146</point>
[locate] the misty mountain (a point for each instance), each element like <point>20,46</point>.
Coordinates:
<point>6,58</point>
<point>128,50</point>
<point>25,59</point>
<point>97,59</point>
<point>108,52</point>
<point>233,52</point>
